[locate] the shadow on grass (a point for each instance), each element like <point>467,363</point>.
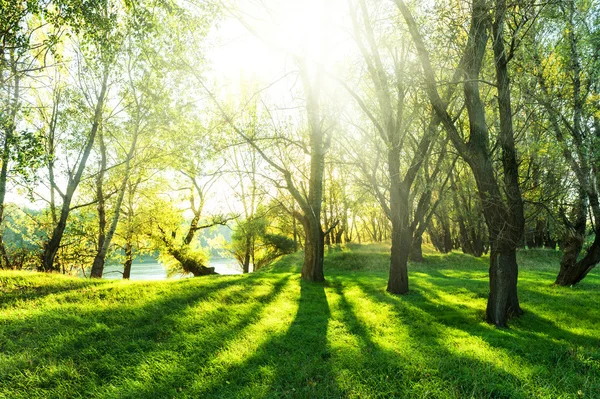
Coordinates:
<point>30,291</point>
<point>290,364</point>
<point>378,372</point>
<point>540,345</point>
<point>142,351</point>
<point>443,370</point>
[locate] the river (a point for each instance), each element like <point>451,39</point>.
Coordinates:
<point>152,270</point>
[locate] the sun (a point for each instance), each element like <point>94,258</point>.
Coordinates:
<point>261,38</point>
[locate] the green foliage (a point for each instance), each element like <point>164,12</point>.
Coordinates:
<point>280,243</point>
<point>251,238</point>
<point>269,335</point>
<point>21,237</point>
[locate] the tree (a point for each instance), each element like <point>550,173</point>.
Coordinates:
<point>394,114</point>
<point>21,55</point>
<point>503,212</point>
<point>566,76</point>
<point>100,45</point>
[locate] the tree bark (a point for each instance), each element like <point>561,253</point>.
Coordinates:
<point>128,259</point>
<point>416,249</point>
<point>246,262</point>
<point>314,246</point>
<point>98,265</point>
<point>6,151</point>
<point>104,244</point>
<point>574,274</point>
<point>503,302</point>
<point>571,270</point>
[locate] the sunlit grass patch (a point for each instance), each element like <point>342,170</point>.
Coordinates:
<point>269,335</point>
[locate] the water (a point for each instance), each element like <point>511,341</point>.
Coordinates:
<point>153,270</point>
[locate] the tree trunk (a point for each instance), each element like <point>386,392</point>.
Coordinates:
<point>53,244</point>
<point>106,236</point>
<point>416,250</point>
<point>128,260</point>
<point>312,269</point>
<point>572,271</point>
<point>98,265</point>
<point>246,262</point>
<point>504,217</point>
<point>398,277</point>
<point>573,274</point>
<point>8,138</point>
<point>503,302</point>
<point>573,241</point>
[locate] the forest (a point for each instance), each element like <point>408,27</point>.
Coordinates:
<point>391,166</point>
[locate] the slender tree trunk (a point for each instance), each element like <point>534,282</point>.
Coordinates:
<point>8,142</point>
<point>294,230</point>
<point>4,261</point>
<point>98,265</point>
<point>246,263</point>
<point>106,236</point>
<point>53,244</point>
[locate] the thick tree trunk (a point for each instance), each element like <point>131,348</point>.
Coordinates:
<point>398,277</point>
<point>338,236</point>
<point>416,249</point>
<point>190,265</point>
<point>572,274</point>
<point>571,270</point>
<point>573,241</point>
<point>312,269</point>
<point>503,302</point>
<point>478,244</point>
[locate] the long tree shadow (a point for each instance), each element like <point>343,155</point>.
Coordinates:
<point>129,352</point>
<point>291,364</point>
<point>370,363</point>
<point>440,365</point>
<point>432,320</point>
<point>29,292</point>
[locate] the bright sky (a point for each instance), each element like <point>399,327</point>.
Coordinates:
<point>270,33</point>
<point>257,43</point>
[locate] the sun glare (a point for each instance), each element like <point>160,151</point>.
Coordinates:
<point>262,47</point>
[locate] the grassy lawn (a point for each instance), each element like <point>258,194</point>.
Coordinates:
<point>270,335</point>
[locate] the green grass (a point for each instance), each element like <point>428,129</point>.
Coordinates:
<point>270,335</point>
